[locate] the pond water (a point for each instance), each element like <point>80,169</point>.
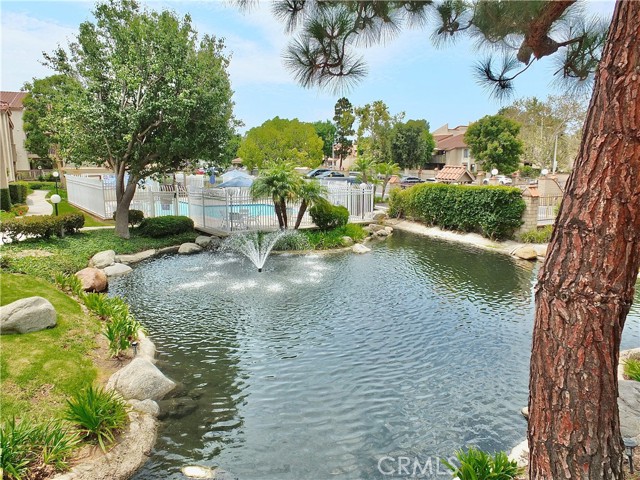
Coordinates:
<point>337,366</point>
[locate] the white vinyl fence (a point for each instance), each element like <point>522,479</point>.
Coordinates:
<point>228,209</point>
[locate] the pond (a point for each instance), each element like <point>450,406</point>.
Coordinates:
<point>339,365</point>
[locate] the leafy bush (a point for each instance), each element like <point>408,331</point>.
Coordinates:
<point>18,192</point>
<point>539,235</point>
<point>478,465</point>
<point>72,222</point>
<point>292,241</point>
<point>135,217</point>
<point>5,199</point>
<point>353,230</point>
<point>327,216</point>
<point>19,210</point>
<point>41,185</point>
<point>27,447</point>
<point>529,172</point>
<point>162,226</point>
<point>320,240</point>
<point>98,414</point>
<point>37,226</point>
<point>632,369</point>
<point>495,212</point>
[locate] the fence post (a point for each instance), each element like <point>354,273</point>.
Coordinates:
<point>531,198</point>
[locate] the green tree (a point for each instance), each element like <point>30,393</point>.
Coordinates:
<point>411,143</point>
<point>387,170</point>
<point>279,138</point>
<point>154,97</point>
<point>344,118</point>
<point>309,192</point>
<point>327,132</point>
<point>375,126</point>
<point>493,141</point>
<point>576,334</point>
<point>365,164</point>
<point>281,183</point>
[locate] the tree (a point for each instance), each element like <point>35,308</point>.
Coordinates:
<point>327,132</point>
<point>343,119</point>
<point>493,141</point>
<point>387,170</point>
<point>411,143</point>
<point>542,122</point>
<point>586,285</point>
<point>375,125</point>
<point>309,192</point>
<point>365,164</point>
<point>280,182</point>
<point>290,140</point>
<point>154,98</point>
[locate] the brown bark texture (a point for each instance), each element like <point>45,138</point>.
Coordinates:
<point>586,285</point>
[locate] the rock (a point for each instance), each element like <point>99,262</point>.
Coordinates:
<point>379,216</point>
<point>145,406</point>
<point>360,248</point>
<point>525,252</point>
<point>135,258</point>
<point>203,241</point>
<point>189,248</point>
<point>629,407</point>
<point>197,471</point>
<point>27,315</point>
<point>520,454</point>
<point>381,233</point>
<point>117,269</point>
<point>176,407</point>
<point>146,349</point>
<point>541,250</point>
<point>103,259</point>
<point>525,412</point>
<point>375,228</point>
<point>389,229</point>
<point>347,241</point>
<point>165,250</point>
<point>215,243</point>
<point>93,279</point>
<point>140,380</point>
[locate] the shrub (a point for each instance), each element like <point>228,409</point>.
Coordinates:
<point>5,199</point>
<point>37,226</point>
<point>98,414</point>
<point>163,226</point>
<point>72,222</point>
<point>538,235</point>
<point>478,465</point>
<point>41,185</point>
<point>495,212</point>
<point>135,217</point>
<point>353,230</point>
<point>16,448</point>
<point>68,283</point>
<point>327,216</point>
<point>18,192</point>
<point>121,330</point>
<point>632,369</point>
<point>19,210</point>
<point>294,240</point>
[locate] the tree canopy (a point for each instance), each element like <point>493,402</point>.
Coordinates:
<point>154,96</point>
<point>281,139</point>
<point>493,141</point>
<point>411,143</point>
<point>327,132</point>
<point>375,127</point>
<point>344,118</point>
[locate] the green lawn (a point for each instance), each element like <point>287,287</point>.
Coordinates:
<point>40,370</point>
<point>72,252</point>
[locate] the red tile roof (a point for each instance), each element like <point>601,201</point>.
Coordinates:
<point>451,142</point>
<point>453,173</point>
<point>14,99</point>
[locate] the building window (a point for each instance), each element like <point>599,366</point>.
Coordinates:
<point>466,153</point>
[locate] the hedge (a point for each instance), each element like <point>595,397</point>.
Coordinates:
<point>5,199</point>
<point>327,216</point>
<point>40,226</point>
<point>163,226</point>
<point>495,212</point>
<point>18,192</point>
<point>135,217</point>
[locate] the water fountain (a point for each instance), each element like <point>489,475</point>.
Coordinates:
<point>256,246</point>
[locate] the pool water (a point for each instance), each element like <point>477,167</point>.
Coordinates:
<point>337,366</point>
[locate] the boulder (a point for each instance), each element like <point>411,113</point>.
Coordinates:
<point>525,412</point>
<point>375,227</point>
<point>103,259</point>
<point>629,407</point>
<point>176,407</point>
<point>145,406</point>
<point>215,243</point>
<point>541,250</point>
<point>165,250</point>
<point>189,248</point>
<point>381,233</point>
<point>203,241</point>
<point>389,229</point>
<point>117,269</point>
<point>27,315</point>
<point>140,380</point>
<point>93,279</point>
<point>379,216</point>
<point>198,471</point>
<point>347,241</point>
<point>135,258</point>
<point>525,252</point>
<point>146,349</point>
<point>360,248</point>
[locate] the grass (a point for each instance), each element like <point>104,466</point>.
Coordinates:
<point>632,368</point>
<point>319,240</point>
<point>72,252</point>
<point>41,370</point>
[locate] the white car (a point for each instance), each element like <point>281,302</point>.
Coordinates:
<point>502,180</point>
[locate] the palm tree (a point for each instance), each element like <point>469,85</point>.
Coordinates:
<point>387,169</point>
<point>280,182</point>
<point>364,164</point>
<point>310,192</point>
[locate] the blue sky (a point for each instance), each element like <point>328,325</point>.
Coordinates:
<point>407,73</point>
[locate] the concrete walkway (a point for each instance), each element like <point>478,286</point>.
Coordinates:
<point>37,203</point>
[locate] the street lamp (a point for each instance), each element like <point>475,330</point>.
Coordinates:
<point>56,176</point>
<point>55,199</point>
<point>544,172</point>
<point>494,172</point>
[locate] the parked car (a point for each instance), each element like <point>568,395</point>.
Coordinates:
<point>502,180</point>
<point>410,181</point>
<point>317,172</point>
<point>330,174</point>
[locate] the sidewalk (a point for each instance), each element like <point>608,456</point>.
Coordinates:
<point>37,203</point>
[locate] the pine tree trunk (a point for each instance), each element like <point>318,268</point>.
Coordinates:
<point>586,285</point>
